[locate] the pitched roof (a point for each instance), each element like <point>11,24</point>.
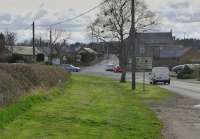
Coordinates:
<point>89,50</point>
<point>173,52</point>
<point>23,50</point>
<point>155,37</point>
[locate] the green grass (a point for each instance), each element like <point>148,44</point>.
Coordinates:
<point>86,108</point>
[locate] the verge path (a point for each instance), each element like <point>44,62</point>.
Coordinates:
<point>181,119</point>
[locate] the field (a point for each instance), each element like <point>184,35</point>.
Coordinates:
<point>86,108</point>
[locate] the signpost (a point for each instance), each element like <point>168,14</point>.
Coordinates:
<point>143,63</point>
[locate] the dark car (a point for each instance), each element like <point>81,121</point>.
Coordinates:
<point>71,68</point>
<point>178,68</point>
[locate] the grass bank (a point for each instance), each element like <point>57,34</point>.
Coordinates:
<point>17,80</point>
<point>89,108</point>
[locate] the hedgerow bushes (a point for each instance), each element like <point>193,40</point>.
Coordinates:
<point>187,73</point>
<point>18,79</point>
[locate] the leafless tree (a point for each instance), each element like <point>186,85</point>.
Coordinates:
<point>10,38</point>
<point>58,42</point>
<point>114,22</point>
<point>96,32</point>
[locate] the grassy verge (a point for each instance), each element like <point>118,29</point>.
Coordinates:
<point>9,113</point>
<point>89,108</point>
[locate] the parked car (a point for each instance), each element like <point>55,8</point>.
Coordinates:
<point>110,67</point>
<point>160,74</point>
<point>178,68</point>
<point>118,69</point>
<point>71,68</point>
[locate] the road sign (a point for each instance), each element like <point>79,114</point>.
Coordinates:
<point>142,50</point>
<point>144,63</point>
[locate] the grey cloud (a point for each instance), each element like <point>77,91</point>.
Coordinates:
<point>181,15</point>
<point>5,17</point>
<point>180,5</point>
<point>71,10</point>
<point>18,22</point>
<point>15,22</point>
<point>41,13</point>
<point>75,25</point>
<point>71,26</point>
<point>42,5</point>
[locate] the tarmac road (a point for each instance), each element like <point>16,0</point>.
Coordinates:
<point>183,88</point>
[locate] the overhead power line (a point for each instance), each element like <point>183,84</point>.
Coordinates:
<point>78,16</point>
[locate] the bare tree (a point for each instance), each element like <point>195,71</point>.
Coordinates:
<point>10,38</point>
<point>114,22</point>
<point>61,46</point>
<point>96,32</point>
<point>58,41</point>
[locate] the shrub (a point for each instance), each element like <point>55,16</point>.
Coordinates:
<point>186,73</point>
<point>15,58</point>
<point>48,63</point>
<point>17,79</point>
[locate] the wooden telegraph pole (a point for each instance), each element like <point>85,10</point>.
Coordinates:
<point>132,40</point>
<point>50,44</point>
<point>33,42</point>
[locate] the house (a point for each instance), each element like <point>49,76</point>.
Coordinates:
<point>172,56</point>
<point>25,53</point>
<point>56,58</point>
<point>161,48</point>
<point>150,44</point>
<point>86,55</point>
<point>191,57</point>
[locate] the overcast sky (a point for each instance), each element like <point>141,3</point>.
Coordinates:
<point>182,16</point>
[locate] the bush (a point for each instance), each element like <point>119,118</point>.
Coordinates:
<point>17,79</point>
<point>15,58</point>
<point>48,63</point>
<point>186,73</point>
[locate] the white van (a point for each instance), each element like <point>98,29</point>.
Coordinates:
<point>160,74</point>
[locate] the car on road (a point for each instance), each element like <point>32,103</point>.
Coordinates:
<point>71,68</point>
<point>118,69</point>
<point>160,74</point>
<point>178,68</point>
<point>110,67</point>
